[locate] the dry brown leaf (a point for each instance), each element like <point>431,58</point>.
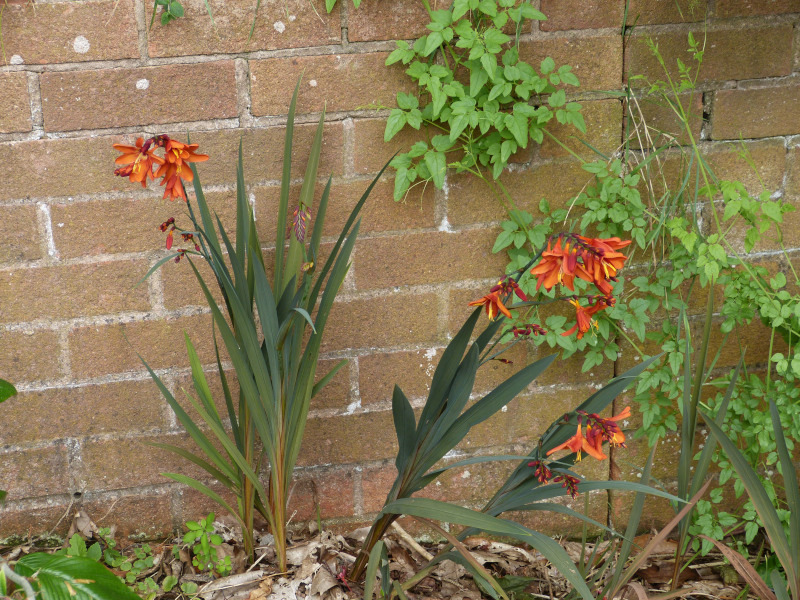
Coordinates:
<point>82,524</point>
<point>322,582</point>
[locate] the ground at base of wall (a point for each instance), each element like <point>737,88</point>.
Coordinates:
<point>320,562</point>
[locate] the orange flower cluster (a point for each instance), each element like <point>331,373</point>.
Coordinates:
<point>493,301</point>
<point>594,260</point>
<point>139,161</point>
<point>598,430</point>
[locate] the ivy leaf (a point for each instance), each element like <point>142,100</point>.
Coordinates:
<point>435,39</point>
<point>396,121</point>
<point>407,101</point>
<point>557,99</point>
<point>489,62</point>
<point>437,165</point>
<point>517,124</point>
<point>477,79</point>
<point>460,8</point>
<point>547,66</point>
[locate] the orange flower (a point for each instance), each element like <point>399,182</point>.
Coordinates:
<point>602,261</point>
<point>577,444</point>
<point>606,429</point>
<point>174,169</point>
<point>559,265</point>
<point>583,317</point>
<point>494,305</point>
<point>137,160</point>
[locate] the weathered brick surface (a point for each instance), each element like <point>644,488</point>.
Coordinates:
<point>70,31</point>
<point>470,201</point>
<point>167,94</point>
<point>574,14</point>
<point>19,233</point>
<point>756,113</point>
<point>743,53</point>
<point>19,521</point>
<point>148,515</point>
<point>334,82</point>
<point>412,371</point>
<point>330,492</point>
<point>647,12</point>
<point>380,211</point>
<point>125,225</point>
<point>262,152</point>
<point>72,291</point>
<point>371,153</point>
<point>387,20</point>
<point>342,440</point>
<point>29,355</point>
<point>595,60</point>
<point>384,321</point>
<point>602,131</point>
<point>292,24</point>
<point>130,462</point>
<point>180,287</point>
<point>406,260</point>
<point>663,125</point>
<point>103,349</point>
<point>35,472</point>
<point>750,8</point>
<point>15,108</point>
<point>94,409</point>
<point>337,392</point>
<point>55,167</point>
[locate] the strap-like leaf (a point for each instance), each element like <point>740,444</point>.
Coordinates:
<point>405,427</point>
<point>449,513</point>
<point>73,577</point>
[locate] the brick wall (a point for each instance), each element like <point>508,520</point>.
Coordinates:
<point>82,75</point>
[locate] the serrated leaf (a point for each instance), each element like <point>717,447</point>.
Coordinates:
<point>395,122</point>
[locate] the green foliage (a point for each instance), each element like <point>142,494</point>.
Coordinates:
<point>7,390</point>
<point>170,10</point>
<point>59,577</point>
<point>504,107</point>
<point>203,542</point>
<point>264,330</point>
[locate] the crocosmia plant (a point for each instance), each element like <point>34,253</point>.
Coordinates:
<point>265,327</point>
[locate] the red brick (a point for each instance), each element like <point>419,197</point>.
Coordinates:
<point>103,349</point>
<point>262,153</point>
<point>130,462</point>
<point>73,412</point>
<point>333,82</point>
<point>73,291</point>
<point>32,521</point>
<point>370,152</point>
<point>72,99</point>
<point>645,12</point>
<point>29,355</point>
<point>342,440</point>
<point>412,371</point>
<point>71,31</point>
<point>81,228</point>
<point>595,60</point>
<point>35,472</point>
<point>771,241</point>
<point>387,20</point>
<point>473,485</point>
<point>745,53</point>
<point>558,182</point>
<point>603,131</point>
<point>181,288</point>
<point>19,233</point>
<point>575,14</point>
<point>336,393</point>
<point>406,260</point>
<point>382,322</point>
<point>143,516</point>
<point>380,211</point>
<point>751,8</point>
<point>756,113</point>
<point>330,492</point>
<point>375,485</point>
<point>663,125</point>
<point>304,24</point>
<point>15,108</point>
<point>48,167</point>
